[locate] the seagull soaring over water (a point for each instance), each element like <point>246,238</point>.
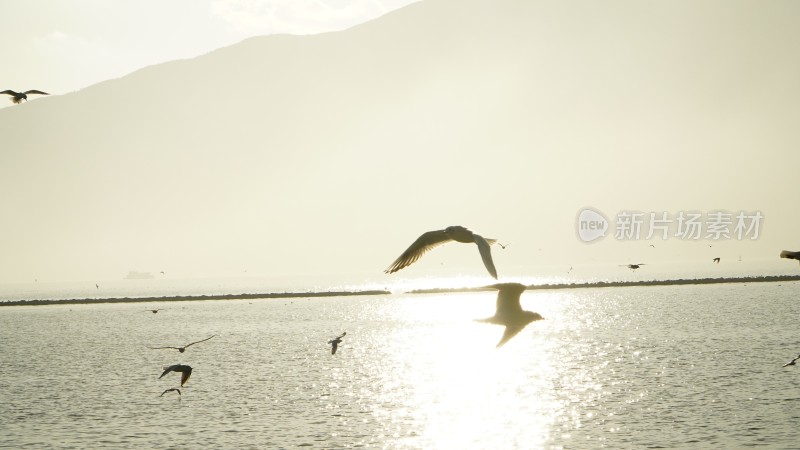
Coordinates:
<point>154,311</point>
<point>433,239</point>
<point>335,343</point>
<point>171,390</point>
<point>632,266</point>
<point>183,349</point>
<point>186,372</point>
<point>18,97</point>
<point>792,362</point>
<point>509,312</point>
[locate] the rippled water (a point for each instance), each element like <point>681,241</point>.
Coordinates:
<point>618,367</point>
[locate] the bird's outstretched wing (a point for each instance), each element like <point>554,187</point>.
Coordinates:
<point>422,245</point>
<point>167,370</point>
<point>484,246</point>
<point>790,255</point>
<point>511,331</point>
<point>197,342</point>
<point>34,91</point>
<point>334,347</point>
<point>508,299</point>
<point>9,92</point>
<point>792,362</point>
<point>185,375</point>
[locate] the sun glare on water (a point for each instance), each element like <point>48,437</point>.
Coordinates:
<point>452,384</point>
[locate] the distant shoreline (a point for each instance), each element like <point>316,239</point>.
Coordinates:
<point>276,295</point>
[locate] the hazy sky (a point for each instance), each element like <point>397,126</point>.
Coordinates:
<point>60,46</point>
<point>329,154</point>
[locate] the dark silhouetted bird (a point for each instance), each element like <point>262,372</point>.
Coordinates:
<point>183,349</point>
<point>186,372</point>
<point>503,246</point>
<point>18,97</point>
<point>792,362</point>
<point>790,255</point>
<point>632,266</point>
<point>335,343</point>
<point>433,239</point>
<point>171,390</point>
<point>154,311</point>
<point>509,313</point>
<point>716,260</point>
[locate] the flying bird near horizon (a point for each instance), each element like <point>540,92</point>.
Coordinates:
<point>186,372</point>
<point>171,390</point>
<point>792,362</point>
<point>183,349</point>
<point>335,342</point>
<point>716,260</point>
<point>509,312</point>
<point>18,97</point>
<point>790,255</point>
<point>632,266</point>
<point>433,239</point>
<point>154,311</point>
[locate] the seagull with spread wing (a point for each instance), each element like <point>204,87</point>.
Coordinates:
<point>171,390</point>
<point>433,239</point>
<point>335,342</point>
<point>186,372</point>
<point>183,349</point>
<point>509,312</point>
<point>18,97</point>
<point>792,362</point>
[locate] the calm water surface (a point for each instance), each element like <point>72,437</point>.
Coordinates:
<point>634,367</point>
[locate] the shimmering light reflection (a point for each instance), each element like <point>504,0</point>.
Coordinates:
<point>455,389</point>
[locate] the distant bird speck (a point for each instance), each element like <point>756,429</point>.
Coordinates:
<point>185,371</point>
<point>433,239</point>
<point>632,266</point>
<point>503,246</point>
<point>335,342</point>
<point>183,349</point>
<point>716,260</point>
<point>154,311</point>
<point>509,312</point>
<point>792,362</point>
<point>171,390</point>
<point>18,97</point>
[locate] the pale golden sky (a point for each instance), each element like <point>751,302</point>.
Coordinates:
<point>331,153</point>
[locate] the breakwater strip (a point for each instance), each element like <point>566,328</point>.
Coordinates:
<point>274,295</point>
<point>186,298</point>
<point>607,284</point>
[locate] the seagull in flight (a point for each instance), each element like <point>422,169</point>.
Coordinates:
<point>509,312</point>
<point>503,246</point>
<point>154,311</point>
<point>433,239</point>
<point>183,349</point>
<point>716,260</point>
<point>790,255</point>
<point>171,390</point>
<point>792,362</point>
<point>18,97</point>
<point>335,343</point>
<point>632,266</point>
<point>186,372</point>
